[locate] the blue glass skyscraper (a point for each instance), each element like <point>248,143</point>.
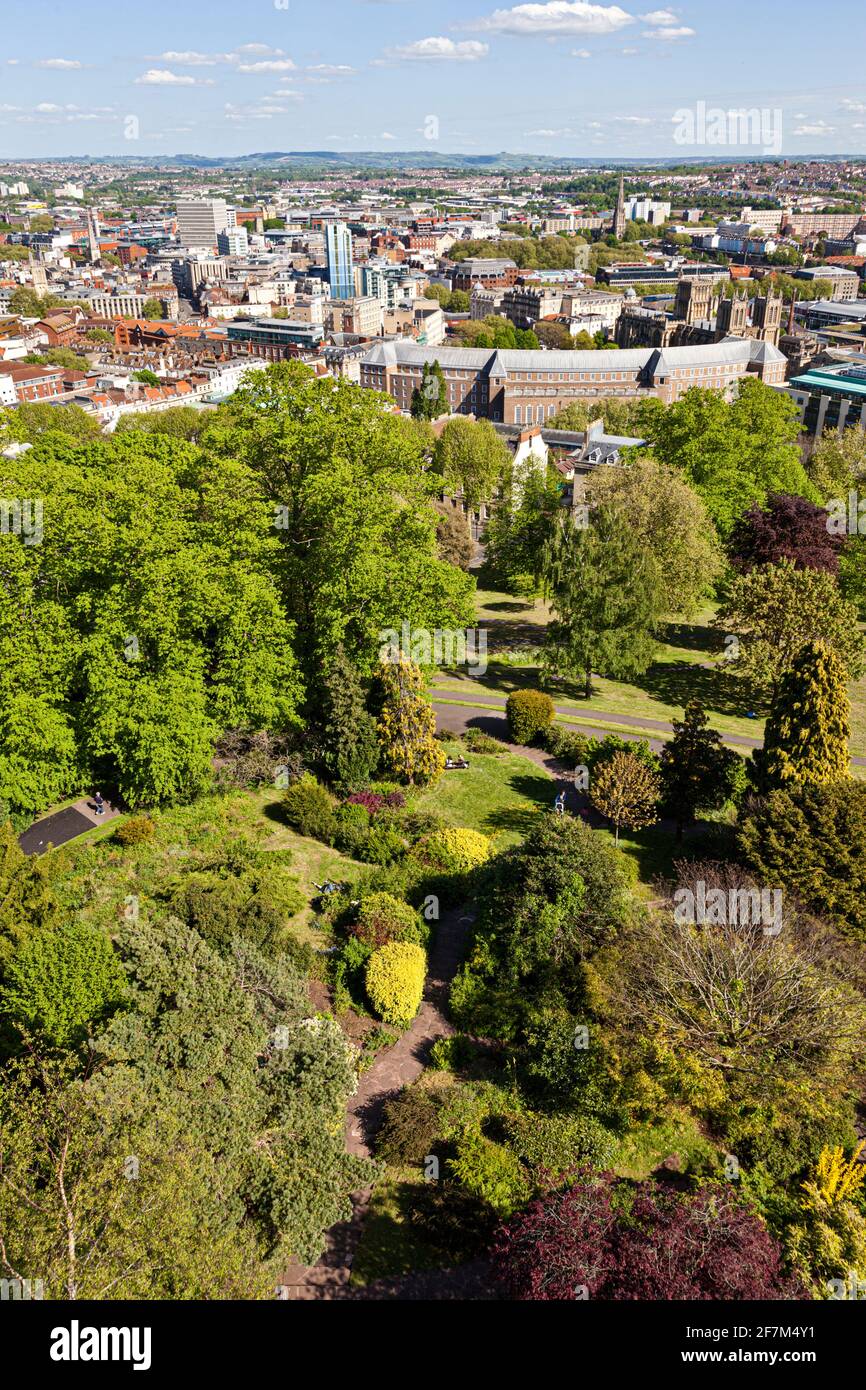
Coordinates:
<point>338,242</point>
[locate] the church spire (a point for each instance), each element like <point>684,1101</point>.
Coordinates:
<point>619,211</point>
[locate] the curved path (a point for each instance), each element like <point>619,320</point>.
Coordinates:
<point>394,1068</point>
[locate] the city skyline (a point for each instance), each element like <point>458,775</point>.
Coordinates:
<point>594,80</point>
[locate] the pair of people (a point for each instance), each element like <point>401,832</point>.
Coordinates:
<point>451,763</point>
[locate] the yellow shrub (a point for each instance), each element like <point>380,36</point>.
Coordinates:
<point>395,981</point>
<point>836,1179</point>
<point>456,849</point>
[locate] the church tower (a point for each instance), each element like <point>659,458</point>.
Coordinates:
<point>619,212</point>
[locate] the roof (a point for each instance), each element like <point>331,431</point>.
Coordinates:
<point>504,362</point>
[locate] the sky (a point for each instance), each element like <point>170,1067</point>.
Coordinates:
<point>558,77</point>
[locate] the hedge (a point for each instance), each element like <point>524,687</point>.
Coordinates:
<point>395,981</point>
<point>529,713</point>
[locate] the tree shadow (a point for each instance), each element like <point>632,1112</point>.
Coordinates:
<point>713,688</point>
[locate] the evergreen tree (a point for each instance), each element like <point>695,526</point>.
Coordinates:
<point>26,900</point>
<point>430,399</point>
<point>698,772</point>
<point>350,749</point>
<point>806,737</point>
<point>407,724</point>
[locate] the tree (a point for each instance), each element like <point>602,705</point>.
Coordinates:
<point>349,488</point>
<point>62,983</point>
<point>785,528</point>
<point>648,1243</point>
<point>626,792</point>
<point>152,309</point>
<point>471,458</point>
<point>430,399</point>
<point>146,377</point>
<point>806,736</point>
<point>697,772</point>
<point>25,302</point>
<point>601,592</point>
<point>27,903</point>
<point>671,523</point>
<point>837,463</point>
<point>811,840</point>
<point>31,419</point>
<point>774,610</point>
<point>520,528</point>
<point>350,750</point>
<point>733,454</point>
<point>407,724</point>
<point>454,543</point>
<point>555,336</point>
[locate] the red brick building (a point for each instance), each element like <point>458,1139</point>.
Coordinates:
<point>32,382</point>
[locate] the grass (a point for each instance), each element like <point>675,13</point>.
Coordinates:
<point>95,870</point>
<point>678,674</point>
<point>498,794</point>
<point>389,1245</point>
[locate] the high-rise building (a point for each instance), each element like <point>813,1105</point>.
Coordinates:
<point>234,241</point>
<point>338,247</point>
<point>200,221</point>
<point>93,235</point>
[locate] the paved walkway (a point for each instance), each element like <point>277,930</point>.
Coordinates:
<point>445,700</point>
<point>393,1069</point>
<point>65,825</point>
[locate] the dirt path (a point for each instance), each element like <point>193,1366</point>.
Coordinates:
<point>396,1067</point>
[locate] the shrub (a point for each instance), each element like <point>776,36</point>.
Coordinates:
<point>410,1127</point>
<point>383,918</point>
<point>349,970</point>
<point>450,1054</point>
<point>375,801</point>
<point>136,830</point>
<point>570,747</point>
<point>557,1143</point>
<point>309,808</point>
<point>812,842</point>
<point>384,845</point>
<point>395,981</point>
<point>529,713</point>
<point>455,849</point>
<point>478,742</point>
<point>648,1242</point>
<point>62,982</point>
<point>351,829</point>
<point>490,1172</point>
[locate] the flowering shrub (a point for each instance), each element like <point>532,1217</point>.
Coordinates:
<point>374,802</point>
<point>455,849</point>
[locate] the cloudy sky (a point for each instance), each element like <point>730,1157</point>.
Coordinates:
<point>558,77</point>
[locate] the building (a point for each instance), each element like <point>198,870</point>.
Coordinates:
<point>338,250</point>
<point>200,221</point>
<point>234,241</point>
<point>647,210</point>
<point>525,387</point>
<point>276,338</point>
<point>31,382</point>
<point>489,272</point>
<point>700,316</point>
<point>361,316</point>
<point>622,275</point>
<point>830,313</point>
<point>831,397</point>
<point>846,283</point>
<point>832,224</point>
<point>524,305</point>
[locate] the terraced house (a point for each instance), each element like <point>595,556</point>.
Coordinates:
<point>526,387</point>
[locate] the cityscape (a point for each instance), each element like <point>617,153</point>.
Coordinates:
<point>432,675</point>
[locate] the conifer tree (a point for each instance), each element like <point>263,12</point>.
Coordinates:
<point>806,737</point>
<point>407,725</point>
<point>349,746</point>
<point>698,772</point>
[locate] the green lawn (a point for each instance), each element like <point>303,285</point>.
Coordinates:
<point>498,794</point>
<point>676,676</point>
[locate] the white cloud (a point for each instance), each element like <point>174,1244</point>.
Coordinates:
<point>857,106</point>
<point>660,17</point>
<point>633,120</point>
<point>386,135</point>
<point>62,63</point>
<point>164,77</point>
<point>330,70</point>
<point>439,50</point>
<point>268,65</point>
<point>680,32</point>
<point>580,53</point>
<point>817,128</point>
<point>554,17</point>
<point>191,59</point>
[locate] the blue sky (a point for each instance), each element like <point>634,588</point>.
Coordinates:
<point>553,77</point>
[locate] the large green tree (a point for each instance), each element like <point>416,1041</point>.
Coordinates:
<point>472,458</point>
<point>697,772</point>
<point>601,585</point>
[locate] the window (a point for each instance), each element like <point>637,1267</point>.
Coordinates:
<point>518,414</point>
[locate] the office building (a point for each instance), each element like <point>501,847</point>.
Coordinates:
<point>338,249</point>
<point>200,221</point>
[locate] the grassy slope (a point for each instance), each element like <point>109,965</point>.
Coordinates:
<point>499,795</point>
